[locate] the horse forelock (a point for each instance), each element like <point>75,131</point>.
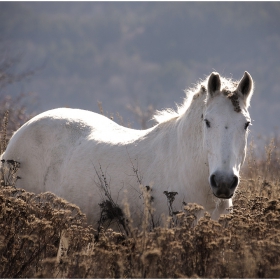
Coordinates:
<point>233,97</point>
<point>228,88</point>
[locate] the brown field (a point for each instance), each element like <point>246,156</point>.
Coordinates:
<point>242,244</point>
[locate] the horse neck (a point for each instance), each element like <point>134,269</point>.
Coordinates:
<point>180,139</point>
<point>190,130</point>
<point>192,156</point>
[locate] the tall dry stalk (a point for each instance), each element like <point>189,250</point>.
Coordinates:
<point>3,132</point>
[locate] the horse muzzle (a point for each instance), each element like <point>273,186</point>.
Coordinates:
<point>223,185</point>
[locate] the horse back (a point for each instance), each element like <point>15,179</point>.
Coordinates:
<point>42,144</point>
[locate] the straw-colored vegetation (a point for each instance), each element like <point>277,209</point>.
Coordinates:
<point>243,244</point>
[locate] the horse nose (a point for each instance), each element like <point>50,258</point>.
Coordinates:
<point>223,185</point>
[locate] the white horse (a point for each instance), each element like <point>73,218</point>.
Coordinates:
<point>195,152</point>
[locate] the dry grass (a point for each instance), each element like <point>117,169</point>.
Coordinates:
<point>243,244</point>
<point>14,110</point>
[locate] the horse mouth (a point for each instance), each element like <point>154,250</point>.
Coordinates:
<point>223,196</point>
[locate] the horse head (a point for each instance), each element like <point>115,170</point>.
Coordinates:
<point>226,121</point>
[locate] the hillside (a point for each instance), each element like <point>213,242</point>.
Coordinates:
<point>142,52</point>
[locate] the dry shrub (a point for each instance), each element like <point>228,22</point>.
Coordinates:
<point>243,244</point>
<point>14,109</point>
<point>30,229</point>
<point>262,173</point>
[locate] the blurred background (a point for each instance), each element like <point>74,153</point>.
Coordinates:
<point>135,57</point>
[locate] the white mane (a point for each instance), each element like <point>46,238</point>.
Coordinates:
<point>191,93</point>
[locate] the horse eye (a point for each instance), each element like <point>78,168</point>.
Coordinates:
<point>207,123</point>
<point>247,124</point>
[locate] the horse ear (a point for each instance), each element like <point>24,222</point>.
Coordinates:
<point>245,88</point>
<point>214,83</point>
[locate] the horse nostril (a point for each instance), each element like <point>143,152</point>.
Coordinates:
<point>234,182</point>
<point>213,182</point>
